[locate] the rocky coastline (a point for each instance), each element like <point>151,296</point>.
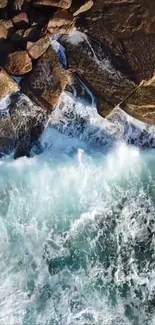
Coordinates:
<point>108,45</point>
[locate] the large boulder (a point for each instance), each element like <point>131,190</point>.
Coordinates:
<point>46,82</point>
<point>36,49</point>
<point>7,84</point>
<point>128,26</point>
<point>61,23</point>
<point>108,76</point>
<point>18,63</point>
<point>65,4</point>
<point>3,4</point>
<point>141,103</point>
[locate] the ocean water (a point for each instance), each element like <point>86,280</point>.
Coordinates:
<point>77,223</point>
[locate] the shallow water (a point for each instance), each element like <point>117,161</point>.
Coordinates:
<point>77,226</point>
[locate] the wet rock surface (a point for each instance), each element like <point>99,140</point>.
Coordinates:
<point>106,75</point>
<point>20,125</point>
<point>128,27</point>
<point>47,81</point>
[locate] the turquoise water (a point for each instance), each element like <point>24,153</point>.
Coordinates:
<point>77,231</point>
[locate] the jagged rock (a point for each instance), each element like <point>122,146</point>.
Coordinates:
<point>3,4</point>
<point>20,126</point>
<point>141,103</point>
<point>47,80</point>
<point>61,23</point>
<point>18,63</point>
<point>36,49</point>
<point>108,76</point>
<point>3,32</point>
<point>7,84</point>
<point>128,26</point>
<point>79,7</point>
<point>65,4</point>
<point>21,21</point>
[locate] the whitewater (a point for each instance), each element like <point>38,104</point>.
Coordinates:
<point>77,223</point>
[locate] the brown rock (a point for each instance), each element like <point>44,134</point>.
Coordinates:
<point>61,23</point>
<point>36,49</point>
<point>3,32</point>
<point>3,4</point>
<point>47,81</point>
<point>21,21</point>
<point>65,4</point>
<point>18,63</point>
<point>86,5</point>
<point>7,23</point>
<point>141,103</point>
<point>7,84</point>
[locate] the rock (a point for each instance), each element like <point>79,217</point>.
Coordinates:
<point>32,34</point>
<point>128,26</point>
<point>20,126</point>
<point>61,23</point>
<point>7,84</point>
<point>3,32</point>
<point>108,76</point>
<point>36,49</point>
<point>84,6</point>
<point>7,23</point>
<point>3,4</point>
<point>18,63</point>
<point>21,21</point>
<point>47,81</point>
<point>65,4</point>
<point>141,103</point>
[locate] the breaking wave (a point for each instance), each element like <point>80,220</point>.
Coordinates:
<point>77,223</point>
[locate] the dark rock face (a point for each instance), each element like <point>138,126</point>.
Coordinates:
<point>47,81</point>
<point>107,75</point>
<point>20,126</point>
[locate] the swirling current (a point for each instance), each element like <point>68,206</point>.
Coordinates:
<point>77,223</point>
